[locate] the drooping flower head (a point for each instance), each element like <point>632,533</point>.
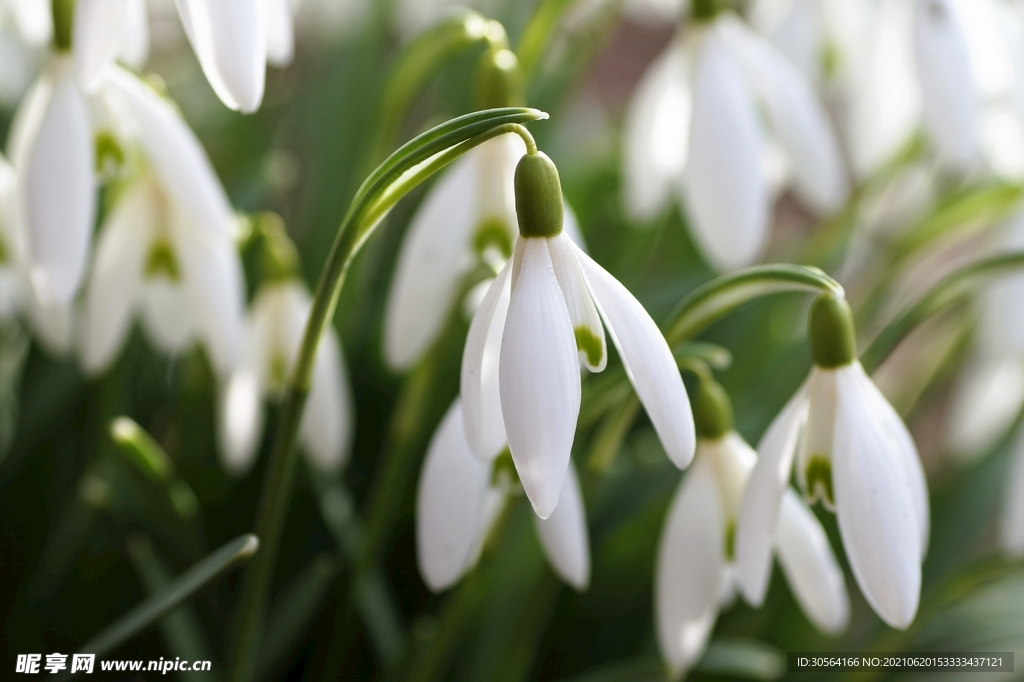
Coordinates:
<point>540,320</point>
<point>853,453</point>
<point>695,575</point>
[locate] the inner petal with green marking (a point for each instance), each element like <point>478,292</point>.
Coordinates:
<point>161,261</point>
<point>590,345</point>
<point>818,481</point>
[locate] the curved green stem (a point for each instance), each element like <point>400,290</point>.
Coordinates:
<point>408,166</point>
<point>719,297</point>
<point>951,290</point>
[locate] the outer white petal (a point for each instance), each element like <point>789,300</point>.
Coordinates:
<point>564,535</point>
<point>97,31</point>
<point>430,264</point>
<point>586,322</point>
<point>655,138</point>
<point>987,398</point>
<point>53,324</point>
<point>908,459</point>
<point>797,118</point>
<point>115,284</point>
<point>240,421</point>
<point>450,504</point>
<point>811,567</point>
<point>875,506</point>
<point>172,148</point>
<point>327,422</point>
<point>168,315</point>
<point>724,186</point>
<point>34,19</point>
<point>947,84</point>
<point>689,569</point>
<point>539,379</point>
<point>230,40</point>
<point>1011,527</point>
<point>648,361</point>
<point>59,163</point>
<point>134,48</point>
<point>280,32</point>
<point>759,511</point>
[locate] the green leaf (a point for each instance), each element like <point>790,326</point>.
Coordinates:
<point>722,295</point>
<point>955,288</point>
<point>229,556</point>
<point>139,448</point>
<point>537,35</point>
<point>641,669</point>
<point>744,658</point>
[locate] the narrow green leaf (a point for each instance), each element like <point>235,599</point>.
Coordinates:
<point>229,556</point>
<point>955,288</point>
<point>744,658</point>
<point>722,295</point>
<point>139,448</point>
<point>607,442</point>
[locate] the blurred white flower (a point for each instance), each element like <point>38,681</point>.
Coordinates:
<point>694,575</point>
<point>539,321</point>
<point>852,452</point>
<point>460,497</point>
<point>166,249</point>
<point>276,322</point>
<point>1011,526</point>
<point>726,120</point>
<point>468,217</point>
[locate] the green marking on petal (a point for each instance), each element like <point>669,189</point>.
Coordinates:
<point>590,343</point>
<point>4,255</point>
<point>730,540</point>
<point>504,468</point>
<point>109,154</point>
<point>278,370</point>
<point>818,476</point>
<point>161,262</point>
<point>493,233</point>
<point>830,59</point>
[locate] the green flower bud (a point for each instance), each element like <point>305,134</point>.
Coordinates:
<point>831,332</point>
<point>538,196</point>
<point>499,82</point>
<point>712,410</point>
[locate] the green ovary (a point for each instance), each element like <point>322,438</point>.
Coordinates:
<point>493,232</point>
<point>818,476</point>
<point>590,344</point>
<point>161,262</point>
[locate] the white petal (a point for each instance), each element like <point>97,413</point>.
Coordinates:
<point>944,71</point>
<point>1011,527</point>
<point>586,323</point>
<point>240,423</point>
<point>564,535</point>
<point>168,315</point>
<point>539,379</point>
<point>797,118</point>
<point>230,40</point>
<point>53,324</point>
<point>689,569</point>
<point>98,27</point>
<point>985,401</point>
<point>34,19</point>
<point>571,226</point>
<point>430,264</point>
<point>759,512</point>
<point>655,134</point>
<point>810,566</point>
<point>115,283</point>
<point>327,422</point>
<point>59,163</point>
<point>172,148</point>
<point>450,504</point>
<point>648,361</point>
<point>907,459</point>
<point>875,506</point>
<point>280,32</point>
<point>726,192</point>
<point>134,48</point>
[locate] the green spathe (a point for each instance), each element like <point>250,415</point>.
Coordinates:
<point>712,410</point>
<point>538,196</point>
<point>831,332</point>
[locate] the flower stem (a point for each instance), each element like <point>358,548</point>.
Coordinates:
<point>413,163</point>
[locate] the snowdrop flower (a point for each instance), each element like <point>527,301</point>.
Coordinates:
<point>166,250</point>
<point>234,42</point>
<point>694,575</point>
<point>695,126</point>
<point>274,329</point>
<point>468,217</point>
<point>854,454</point>
<point>538,322</point>
<point>461,496</point>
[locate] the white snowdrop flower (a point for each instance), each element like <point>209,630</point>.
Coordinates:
<point>467,218</point>
<point>852,452</point>
<point>275,325</point>
<point>725,119</point>
<point>694,574</point>
<point>539,321</point>
<point>459,499</point>
<point>166,249</point>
